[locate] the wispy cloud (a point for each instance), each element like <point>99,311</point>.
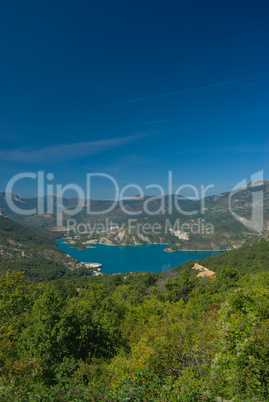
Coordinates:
<point>249,149</point>
<point>242,149</point>
<point>163,121</point>
<point>65,152</point>
<point>126,161</point>
<point>181,91</point>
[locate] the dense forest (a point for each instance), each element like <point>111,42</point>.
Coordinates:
<point>139,337</point>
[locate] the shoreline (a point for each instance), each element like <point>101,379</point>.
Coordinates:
<point>121,261</point>
<point>174,251</point>
<point>143,244</point>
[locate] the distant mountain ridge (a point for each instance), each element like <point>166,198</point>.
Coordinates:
<point>228,232</point>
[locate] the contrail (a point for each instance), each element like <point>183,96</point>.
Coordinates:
<point>181,91</point>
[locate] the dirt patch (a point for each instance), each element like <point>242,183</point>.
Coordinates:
<point>59,229</point>
<point>204,271</point>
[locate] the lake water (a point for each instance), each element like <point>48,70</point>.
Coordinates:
<point>150,258</point>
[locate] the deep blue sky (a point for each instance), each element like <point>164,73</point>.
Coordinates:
<point>134,89</point>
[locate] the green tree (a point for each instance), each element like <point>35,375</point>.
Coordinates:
<point>17,297</point>
<point>240,366</point>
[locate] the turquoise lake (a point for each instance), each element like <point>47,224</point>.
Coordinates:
<point>150,258</point>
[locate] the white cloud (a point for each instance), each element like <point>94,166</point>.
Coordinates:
<point>64,152</point>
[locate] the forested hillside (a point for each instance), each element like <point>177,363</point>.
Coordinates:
<point>34,251</point>
<point>246,259</point>
<point>140,337</point>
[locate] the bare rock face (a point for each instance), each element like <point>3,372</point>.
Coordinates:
<point>180,234</point>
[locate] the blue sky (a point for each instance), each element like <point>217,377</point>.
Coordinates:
<point>134,89</point>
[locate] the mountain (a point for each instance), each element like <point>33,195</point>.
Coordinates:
<point>34,251</point>
<point>217,222</point>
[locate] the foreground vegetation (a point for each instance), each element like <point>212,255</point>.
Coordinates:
<point>142,337</point>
